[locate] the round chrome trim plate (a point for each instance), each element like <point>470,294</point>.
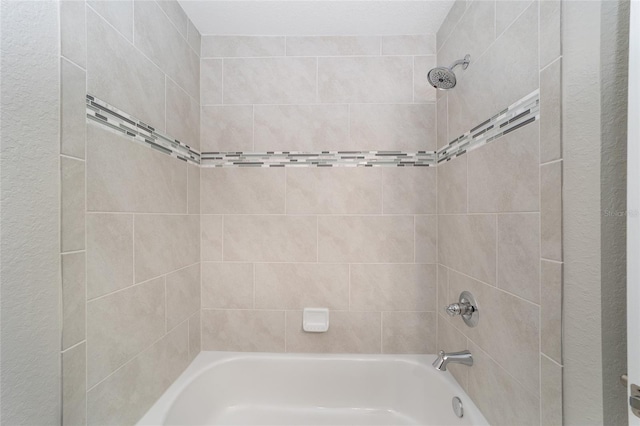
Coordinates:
<point>458,410</point>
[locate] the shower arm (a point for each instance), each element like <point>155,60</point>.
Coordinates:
<point>464,62</point>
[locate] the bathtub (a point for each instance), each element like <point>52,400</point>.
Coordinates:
<point>227,388</point>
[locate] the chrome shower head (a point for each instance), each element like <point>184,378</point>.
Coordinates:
<point>444,78</point>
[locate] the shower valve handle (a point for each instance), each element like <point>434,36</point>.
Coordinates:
<point>464,308</point>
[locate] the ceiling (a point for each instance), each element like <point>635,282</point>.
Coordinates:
<point>316,17</point>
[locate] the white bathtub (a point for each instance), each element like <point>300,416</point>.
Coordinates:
<point>227,388</point>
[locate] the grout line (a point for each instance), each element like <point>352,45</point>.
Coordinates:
<point>75,345</point>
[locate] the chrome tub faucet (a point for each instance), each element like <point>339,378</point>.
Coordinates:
<point>462,357</point>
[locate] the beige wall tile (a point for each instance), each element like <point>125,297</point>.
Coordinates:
<point>333,46</point>
<point>121,325</point>
<point>551,211</point>
<point>211,237</point>
<point>349,332</point>
<point>210,81</point>
<point>124,397</point>
<point>247,331</point>
<point>519,255</point>
<point>72,204</point>
<point>183,294</point>
<point>365,239</point>
<point>551,310</point>
<point>455,13</point>
<point>160,41</point>
<point>243,190</point>
<point>426,229</point>
<point>270,238</point>
<point>117,13</point>
<point>423,44</point>
<point>443,288</point>
<point>409,127</point>
<point>73,124</point>
<point>507,12</point>
<point>508,330</point>
<point>550,32</point>
<point>109,253</point>
<point>193,195</point>
<point>125,176</point>
<point>353,79</point>
<point>452,185</point>
<point>227,285</point>
<point>504,175</point>
<point>508,403</point>
<point>408,332</point>
<point>551,392</point>
<point>118,74</point>
<point>164,243</point>
<point>393,287</point>
<point>176,15</point>
<point>74,398</point>
<point>422,90</point>
<point>299,285</point>
<point>73,36</point>
<point>442,136</point>
<point>269,80</point>
<point>467,243</point>
<point>193,37</point>
<point>194,335</point>
<point>74,299</point>
<point>183,115</point>
<point>451,340</point>
<point>354,190</point>
<point>242,46</point>
<point>409,190</point>
<point>226,128</point>
<point>301,127</point>
<point>551,110</point>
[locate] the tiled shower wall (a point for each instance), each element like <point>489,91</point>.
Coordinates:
<point>360,241</point>
<point>130,215</point>
<point>499,210</point>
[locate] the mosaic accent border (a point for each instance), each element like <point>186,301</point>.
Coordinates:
<point>519,114</point>
<point>122,123</point>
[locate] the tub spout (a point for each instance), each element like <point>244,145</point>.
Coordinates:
<point>462,357</point>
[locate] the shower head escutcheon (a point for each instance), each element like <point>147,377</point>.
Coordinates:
<point>443,78</point>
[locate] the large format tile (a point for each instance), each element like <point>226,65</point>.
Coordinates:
<point>551,211</point>
<point>183,116</point>
<point>211,237</point>
<point>551,110</point>
<point>118,74</point>
<point>194,335</point>
<point>508,329</point>
<point>504,175</point>
<point>301,127</point>
<point>551,310</point>
<point>210,81</point>
<point>507,12</point>
<point>242,46</point>
<point>443,288</point>
<point>333,46</point>
<point>269,80</point>
<point>121,325</point>
<point>408,332</point>
<point>227,285</point>
<point>467,243</point>
<point>551,392</point>
<point>74,299</point>
<point>73,34</point>
<point>451,20</point>
<point>117,13</point>
<point>183,294</point>
<point>426,229</point>
<point>124,397</point>
<point>74,386</point>
<point>360,79</point>
<point>502,400</point>
<point>193,195</point>
<point>350,332</point>
<point>365,239</point>
<point>452,185</point>
<point>226,128</point>
<point>423,44</point>
<point>519,255</point>
<point>410,190</point>
<point>72,204</point>
<point>166,46</point>
<point>176,15</point>
<point>243,190</point>
<point>550,31</point>
<point>352,190</point>
<point>109,253</point>
<point>422,90</point>
<point>164,243</point>
<point>73,123</point>
<point>295,286</point>
<point>442,135</point>
<point>123,176</point>
<point>409,127</point>
<point>270,238</point>
<point>246,331</point>
<point>393,287</point>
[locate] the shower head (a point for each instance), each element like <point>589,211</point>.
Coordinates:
<point>444,78</point>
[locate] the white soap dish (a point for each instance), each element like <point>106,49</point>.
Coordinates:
<point>315,320</point>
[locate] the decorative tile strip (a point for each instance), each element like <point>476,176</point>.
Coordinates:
<point>519,114</point>
<point>122,123</point>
